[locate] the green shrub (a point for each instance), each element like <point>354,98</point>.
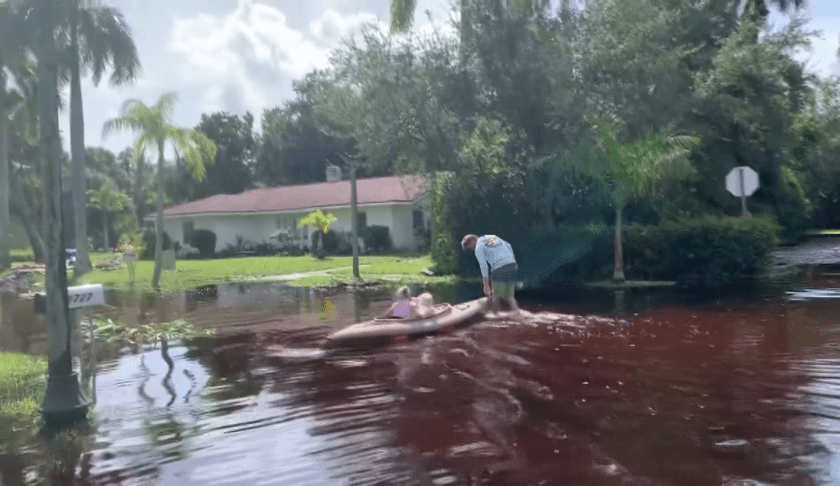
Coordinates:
<point>708,252</point>
<point>149,236</point>
<point>377,238</point>
<point>331,242</point>
<point>205,242</point>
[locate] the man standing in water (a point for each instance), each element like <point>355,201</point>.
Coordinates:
<point>492,251</point>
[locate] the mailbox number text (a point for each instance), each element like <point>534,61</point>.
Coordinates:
<point>81,298</point>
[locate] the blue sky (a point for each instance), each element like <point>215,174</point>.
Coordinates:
<point>242,55</point>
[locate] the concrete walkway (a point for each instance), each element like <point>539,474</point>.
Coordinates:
<point>295,276</point>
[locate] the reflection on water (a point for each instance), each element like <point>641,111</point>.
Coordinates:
<point>656,391</point>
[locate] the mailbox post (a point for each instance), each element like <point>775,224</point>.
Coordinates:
<point>65,401</point>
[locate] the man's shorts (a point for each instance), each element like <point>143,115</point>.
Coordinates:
<point>504,281</point>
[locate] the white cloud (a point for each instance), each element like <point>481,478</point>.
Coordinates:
<point>247,59</point>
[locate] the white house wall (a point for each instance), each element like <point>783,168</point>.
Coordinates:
<point>258,228</point>
<point>402,228</point>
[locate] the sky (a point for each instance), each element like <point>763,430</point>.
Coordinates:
<point>242,55</point>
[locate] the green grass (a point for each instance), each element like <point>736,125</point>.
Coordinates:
<point>22,385</point>
<point>193,273</point>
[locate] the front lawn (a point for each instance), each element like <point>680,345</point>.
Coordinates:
<point>194,273</point>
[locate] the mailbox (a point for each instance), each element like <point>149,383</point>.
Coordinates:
<point>77,297</point>
<point>85,296</point>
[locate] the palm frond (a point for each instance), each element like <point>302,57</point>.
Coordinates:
<point>196,147</point>
<point>402,15</point>
<point>166,105</point>
<point>105,41</point>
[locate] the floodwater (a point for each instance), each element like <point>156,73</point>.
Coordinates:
<point>659,391</point>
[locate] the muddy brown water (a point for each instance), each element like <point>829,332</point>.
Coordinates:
<point>663,390</point>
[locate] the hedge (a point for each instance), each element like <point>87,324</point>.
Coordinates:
<point>149,236</point>
<point>708,252</point>
<point>205,241</point>
<point>377,238</point>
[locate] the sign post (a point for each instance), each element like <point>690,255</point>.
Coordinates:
<point>742,182</point>
<point>63,397</point>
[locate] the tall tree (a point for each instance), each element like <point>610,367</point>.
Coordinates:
<point>233,169</point>
<point>99,37</point>
<point>154,128</point>
<point>402,15</point>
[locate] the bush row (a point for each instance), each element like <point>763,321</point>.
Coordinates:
<point>706,252</point>
<point>377,239</point>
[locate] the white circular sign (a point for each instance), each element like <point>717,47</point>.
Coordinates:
<point>734,181</point>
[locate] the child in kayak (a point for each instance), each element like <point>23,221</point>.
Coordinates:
<point>408,307</point>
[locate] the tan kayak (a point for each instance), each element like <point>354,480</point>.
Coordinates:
<point>446,317</point>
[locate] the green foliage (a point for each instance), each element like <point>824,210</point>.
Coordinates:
<point>319,220</point>
<point>486,196</point>
<point>205,241</point>
<point>377,238</point>
<point>707,252</point>
<point>152,334</point>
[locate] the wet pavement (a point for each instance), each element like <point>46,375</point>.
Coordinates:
<point>814,251</point>
<point>663,390</point>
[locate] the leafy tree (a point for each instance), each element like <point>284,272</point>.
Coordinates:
<point>107,198</point>
<point>745,114</point>
<point>232,170</point>
<point>817,129</point>
<point>154,128</point>
<point>99,37</point>
<point>293,149</point>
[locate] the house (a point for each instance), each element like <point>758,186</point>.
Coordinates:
<point>398,203</point>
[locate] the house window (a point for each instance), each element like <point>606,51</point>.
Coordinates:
<point>189,228</point>
<point>362,220</point>
<point>418,219</point>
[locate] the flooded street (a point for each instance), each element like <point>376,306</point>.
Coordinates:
<point>664,391</point>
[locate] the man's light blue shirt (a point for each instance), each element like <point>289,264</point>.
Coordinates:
<point>493,250</point>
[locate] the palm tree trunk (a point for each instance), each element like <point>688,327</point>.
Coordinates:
<point>58,315</point>
<point>354,212</point>
<point>432,225</point>
<point>105,229</point>
<point>77,149</point>
<point>159,219</point>
<point>4,177</point>
<point>618,274</point>
<point>19,203</point>
<point>138,190</point>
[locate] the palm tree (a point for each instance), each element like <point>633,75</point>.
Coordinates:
<point>154,128</point>
<point>630,169</point>
<point>107,199</point>
<point>12,51</point>
<point>319,221</point>
<point>98,37</point>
